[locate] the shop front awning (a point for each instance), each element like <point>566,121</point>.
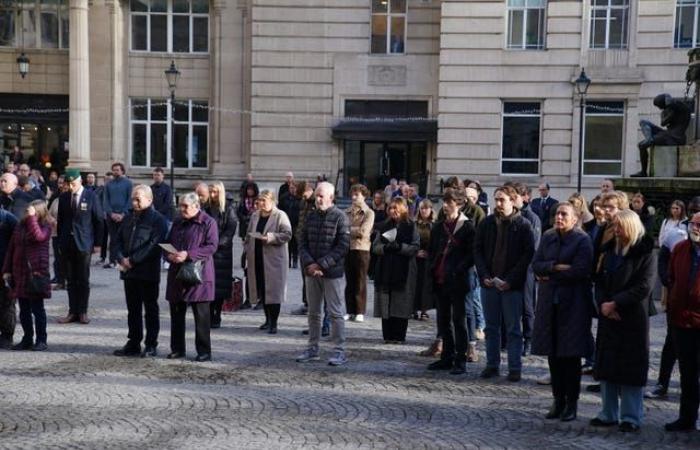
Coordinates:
<point>382,129</point>
<point>30,108</point>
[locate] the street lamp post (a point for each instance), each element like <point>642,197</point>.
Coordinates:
<point>171,75</point>
<point>582,83</point>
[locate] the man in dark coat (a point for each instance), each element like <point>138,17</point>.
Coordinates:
<point>503,250</point>
<point>138,255</point>
<point>542,206</point>
<point>162,195</point>
<point>684,311</point>
<point>8,313</point>
<point>80,227</point>
<point>13,199</point>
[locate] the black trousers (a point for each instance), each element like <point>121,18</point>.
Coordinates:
<point>27,309</point>
<point>394,329</point>
<point>564,371</point>
<point>113,229</point>
<point>57,269</point>
<point>202,327</point>
<point>76,266</point>
<point>452,328</point>
<point>272,314</point>
<point>529,303</point>
<point>215,311</point>
<point>8,314</point>
<point>668,355</point>
<point>105,240</point>
<point>142,295</point>
<point>687,342</point>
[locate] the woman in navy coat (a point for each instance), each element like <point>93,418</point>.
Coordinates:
<point>564,308</point>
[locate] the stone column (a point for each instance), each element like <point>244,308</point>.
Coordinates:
<point>79,57</point>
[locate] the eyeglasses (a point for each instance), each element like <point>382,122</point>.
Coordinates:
<point>694,224</point>
<point>609,207</point>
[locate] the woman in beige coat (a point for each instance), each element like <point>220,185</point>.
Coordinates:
<point>269,231</point>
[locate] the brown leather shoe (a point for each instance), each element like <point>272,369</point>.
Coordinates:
<point>434,350</point>
<point>84,319</point>
<point>68,319</point>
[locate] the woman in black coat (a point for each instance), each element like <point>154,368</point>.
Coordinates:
<point>225,216</point>
<point>623,281</point>
<point>562,328</point>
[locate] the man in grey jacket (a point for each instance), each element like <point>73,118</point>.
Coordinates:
<point>324,243</point>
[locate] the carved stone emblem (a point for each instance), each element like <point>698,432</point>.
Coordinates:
<point>386,75</point>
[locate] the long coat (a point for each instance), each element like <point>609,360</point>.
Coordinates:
<point>622,347</point>
<point>275,256</point>
<point>396,303</point>
<point>223,258</point>
<point>29,244</point>
<point>569,291</point>
<point>199,237</point>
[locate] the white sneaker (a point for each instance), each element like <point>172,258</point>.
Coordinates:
<point>346,317</point>
<point>360,318</point>
<point>338,359</point>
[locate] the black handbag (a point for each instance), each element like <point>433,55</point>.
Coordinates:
<point>190,272</point>
<point>38,284</point>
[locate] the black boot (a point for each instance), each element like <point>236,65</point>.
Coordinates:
<point>643,159</point>
<point>569,412</point>
<point>556,409</point>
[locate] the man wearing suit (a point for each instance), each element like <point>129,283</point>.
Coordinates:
<point>13,199</point>
<point>543,205</point>
<point>80,226</point>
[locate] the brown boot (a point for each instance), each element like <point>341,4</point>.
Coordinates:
<point>472,355</point>
<point>84,319</point>
<point>68,319</point>
<point>434,350</point>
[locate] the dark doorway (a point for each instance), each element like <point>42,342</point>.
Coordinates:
<point>375,163</point>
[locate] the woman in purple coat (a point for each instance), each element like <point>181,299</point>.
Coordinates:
<point>28,255</point>
<point>195,236</point>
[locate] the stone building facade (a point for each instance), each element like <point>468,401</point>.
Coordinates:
<point>356,90</point>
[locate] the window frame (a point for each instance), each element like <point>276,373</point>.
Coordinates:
<point>170,14</point>
<point>686,4</point>
<point>608,8</point>
<point>168,122</point>
<point>62,9</point>
<point>586,114</point>
<point>388,15</point>
<point>542,36</point>
<point>540,116</point>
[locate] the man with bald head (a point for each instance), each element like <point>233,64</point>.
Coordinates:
<point>284,188</point>
<point>13,199</point>
<point>324,242</point>
<point>202,191</point>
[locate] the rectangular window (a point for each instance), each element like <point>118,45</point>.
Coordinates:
<point>388,27</point>
<point>609,23</point>
<point>520,152</point>
<point>172,26</point>
<point>526,19</point>
<point>151,129</point>
<point>603,138</point>
<point>34,24</point>
<point>687,17</point>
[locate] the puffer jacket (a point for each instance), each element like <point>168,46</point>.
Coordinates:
<point>325,240</point>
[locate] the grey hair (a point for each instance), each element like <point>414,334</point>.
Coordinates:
<point>191,198</point>
<point>143,188</point>
<point>325,186</point>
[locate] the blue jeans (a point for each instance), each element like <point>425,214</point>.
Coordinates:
<point>475,293</point>
<point>506,306</point>
<point>630,407</point>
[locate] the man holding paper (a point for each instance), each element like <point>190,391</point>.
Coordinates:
<point>138,255</point>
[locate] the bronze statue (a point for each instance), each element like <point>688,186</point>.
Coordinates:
<point>675,116</point>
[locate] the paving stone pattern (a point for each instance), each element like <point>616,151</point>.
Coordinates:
<point>254,395</point>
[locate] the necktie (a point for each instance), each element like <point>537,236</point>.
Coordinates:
<point>75,202</point>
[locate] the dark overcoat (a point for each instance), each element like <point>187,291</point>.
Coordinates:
<point>223,258</point>
<point>568,291</point>
<point>622,347</point>
<point>29,246</point>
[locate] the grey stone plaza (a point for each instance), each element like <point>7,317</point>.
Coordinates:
<point>254,395</point>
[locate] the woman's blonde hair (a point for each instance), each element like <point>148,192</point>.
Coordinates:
<point>267,195</point>
<point>631,229</point>
<point>618,197</point>
<point>42,211</point>
<point>222,195</point>
<point>578,201</point>
<point>401,206</point>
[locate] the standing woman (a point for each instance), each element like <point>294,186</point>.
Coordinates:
<point>246,207</point>
<point>585,219</point>
<point>225,218</point>
<point>423,300</point>
<point>28,256</point>
<point>623,281</point>
<point>379,207</point>
<point>195,236</point>
<point>562,265</point>
<point>395,276</point>
<point>269,231</point>
<point>361,219</point>
<point>673,221</point>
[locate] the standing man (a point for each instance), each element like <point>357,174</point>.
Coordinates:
<point>503,250</point>
<point>542,206</point>
<point>683,307</point>
<point>100,192</point>
<point>117,202</point>
<point>162,195</point>
<point>138,253</point>
<point>8,312</point>
<point>361,219</point>
<point>202,191</point>
<point>606,186</point>
<point>13,199</point>
<point>80,227</point>
<point>284,188</point>
<point>90,182</point>
<point>325,241</point>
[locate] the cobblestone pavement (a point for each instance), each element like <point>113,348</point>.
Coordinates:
<point>253,395</point>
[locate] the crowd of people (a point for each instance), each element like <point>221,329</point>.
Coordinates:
<point>530,276</point>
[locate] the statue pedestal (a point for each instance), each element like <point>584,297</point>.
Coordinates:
<point>689,160</point>
<point>663,161</point>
